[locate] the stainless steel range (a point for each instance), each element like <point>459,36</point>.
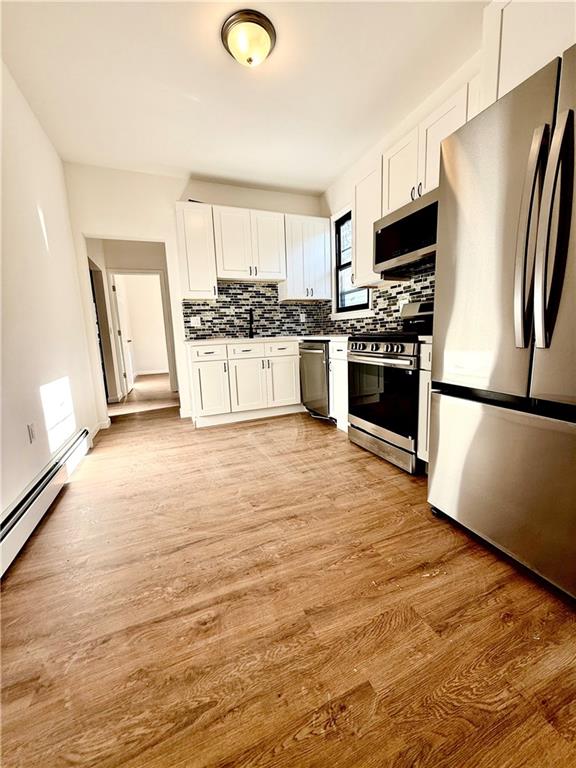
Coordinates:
<point>383,379</point>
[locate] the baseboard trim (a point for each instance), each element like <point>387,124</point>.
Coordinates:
<point>234,418</point>
<point>25,513</point>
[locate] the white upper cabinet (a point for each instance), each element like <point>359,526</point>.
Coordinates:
<point>400,173</point>
<point>316,232</point>
<point>412,166</point>
<point>233,242</point>
<point>367,210</point>
<point>532,35</point>
<point>308,268</point>
<point>268,245</point>
<point>449,116</point>
<point>283,380</point>
<point>196,251</point>
<point>250,245</point>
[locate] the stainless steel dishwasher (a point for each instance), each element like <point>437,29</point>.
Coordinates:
<point>314,376</point>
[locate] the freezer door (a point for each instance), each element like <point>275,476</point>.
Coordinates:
<point>491,174</point>
<point>554,364</point>
<point>509,477</point>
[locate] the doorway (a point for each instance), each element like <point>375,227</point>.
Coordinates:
<point>143,342</point>
<point>133,325</point>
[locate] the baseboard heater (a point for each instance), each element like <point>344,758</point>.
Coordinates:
<point>27,512</point>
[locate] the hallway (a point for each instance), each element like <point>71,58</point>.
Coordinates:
<point>269,594</point>
<point>150,393</point>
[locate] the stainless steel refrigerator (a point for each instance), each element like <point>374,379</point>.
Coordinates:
<point>503,412</point>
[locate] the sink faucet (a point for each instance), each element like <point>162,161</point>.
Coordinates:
<point>250,323</point>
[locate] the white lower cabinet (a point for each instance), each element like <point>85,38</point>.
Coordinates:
<point>211,391</point>
<point>424,394</point>
<point>338,383</point>
<point>283,380</point>
<point>248,384</point>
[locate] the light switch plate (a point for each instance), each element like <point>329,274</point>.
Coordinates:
<point>302,317</point>
<point>195,322</point>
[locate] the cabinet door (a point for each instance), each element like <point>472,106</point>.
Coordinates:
<point>248,384</point>
<point>293,287</point>
<point>317,266</point>
<point>196,251</point>
<point>233,242</point>
<point>283,380</point>
<point>532,35</point>
<point>367,210</point>
<point>210,388</point>
<point>424,392</point>
<point>268,245</point>
<point>400,173</point>
<point>439,125</point>
<point>339,369</point>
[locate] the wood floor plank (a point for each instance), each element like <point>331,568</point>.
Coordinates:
<point>268,594</point>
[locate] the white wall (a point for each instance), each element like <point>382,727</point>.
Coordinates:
<point>43,332</point>
<point>204,191</point>
<point>144,304</point>
<point>124,205</point>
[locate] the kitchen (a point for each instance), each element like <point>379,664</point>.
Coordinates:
<point>359,521</point>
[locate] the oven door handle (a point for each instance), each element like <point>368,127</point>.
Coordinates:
<point>383,362</point>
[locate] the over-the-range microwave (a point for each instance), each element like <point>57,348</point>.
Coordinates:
<point>406,238</point>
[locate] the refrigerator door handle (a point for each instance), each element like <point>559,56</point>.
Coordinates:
<point>525,240</point>
<point>554,229</point>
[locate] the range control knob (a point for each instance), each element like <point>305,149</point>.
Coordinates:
<point>360,346</point>
<point>374,347</point>
<point>353,346</point>
<point>387,347</point>
<point>400,348</point>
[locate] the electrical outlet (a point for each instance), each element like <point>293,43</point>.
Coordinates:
<point>31,432</point>
<point>302,317</point>
<point>195,322</point>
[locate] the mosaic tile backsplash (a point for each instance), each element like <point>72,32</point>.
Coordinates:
<point>228,316</point>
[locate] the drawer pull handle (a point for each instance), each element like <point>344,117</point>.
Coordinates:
<point>207,353</point>
<point>281,349</point>
<point>246,350</point>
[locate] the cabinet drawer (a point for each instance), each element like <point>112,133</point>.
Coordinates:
<point>281,348</point>
<point>338,350</point>
<point>426,357</point>
<point>247,349</point>
<point>209,352</point>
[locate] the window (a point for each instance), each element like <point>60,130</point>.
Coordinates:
<point>348,298</point>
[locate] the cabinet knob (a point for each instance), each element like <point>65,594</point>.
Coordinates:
<point>420,189</point>
<point>413,193</point>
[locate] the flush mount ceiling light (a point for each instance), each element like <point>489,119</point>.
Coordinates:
<point>249,37</point>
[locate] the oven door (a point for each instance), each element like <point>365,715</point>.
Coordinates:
<point>383,398</point>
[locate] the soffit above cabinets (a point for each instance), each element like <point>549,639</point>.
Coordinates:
<point>148,86</point>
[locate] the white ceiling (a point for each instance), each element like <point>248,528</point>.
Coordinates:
<point>149,86</point>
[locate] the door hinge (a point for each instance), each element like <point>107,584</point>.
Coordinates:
<point>119,332</point>
<point>113,287</point>
<point>124,374</point>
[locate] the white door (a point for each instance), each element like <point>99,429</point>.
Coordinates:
<point>210,388</point>
<point>439,125</point>
<point>268,245</point>
<point>124,334</point>
<point>400,173</point>
<point>367,210</point>
<point>233,242</point>
<point>248,384</point>
<point>339,371</point>
<point>293,287</point>
<point>196,250</point>
<point>283,380</point>
<point>316,232</point>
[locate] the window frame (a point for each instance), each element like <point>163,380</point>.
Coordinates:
<point>357,310</point>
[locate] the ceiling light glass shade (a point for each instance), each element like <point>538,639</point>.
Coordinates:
<point>249,37</point>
